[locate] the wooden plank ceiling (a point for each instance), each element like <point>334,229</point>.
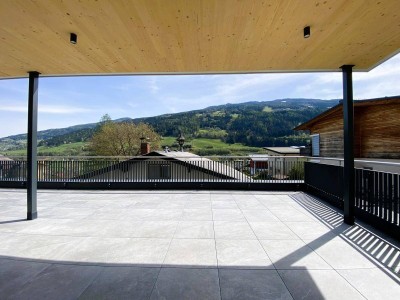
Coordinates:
<point>194,36</point>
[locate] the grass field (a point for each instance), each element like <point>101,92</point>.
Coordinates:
<point>201,146</point>
<point>73,149</point>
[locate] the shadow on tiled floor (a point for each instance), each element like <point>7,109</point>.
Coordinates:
<point>189,245</point>
<point>379,248</point>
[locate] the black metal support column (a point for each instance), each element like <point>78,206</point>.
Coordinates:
<point>31,179</point>
<point>348,139</point>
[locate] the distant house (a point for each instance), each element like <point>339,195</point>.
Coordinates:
<point>281,160</point>
<point>258,163</point>
<point>376,129</point>
<point>165,165</point>
<point>276,164</point>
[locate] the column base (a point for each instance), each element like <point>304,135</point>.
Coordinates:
<point>32,216</point>
<point>349,220</point>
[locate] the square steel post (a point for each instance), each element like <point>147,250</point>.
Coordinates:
<point>348,141</point>
<point>31,179</point>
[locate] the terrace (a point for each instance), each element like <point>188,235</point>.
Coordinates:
<point>198,244</point>
<point>190,245</point>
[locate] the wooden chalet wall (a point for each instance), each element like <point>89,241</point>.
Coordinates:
<point>379,134</point>
<point>376,132</point>
<point>330,130</point>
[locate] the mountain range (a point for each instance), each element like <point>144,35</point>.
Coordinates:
<point>256,123</point>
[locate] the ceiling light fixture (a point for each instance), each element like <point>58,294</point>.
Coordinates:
<point>307,32</point>
<point>73,38</point>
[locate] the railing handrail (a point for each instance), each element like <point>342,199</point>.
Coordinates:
<point>141,156</point>
<point>165,167</point>
<point>356,160</point>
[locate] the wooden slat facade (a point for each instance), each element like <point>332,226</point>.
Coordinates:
<point>376,131</point>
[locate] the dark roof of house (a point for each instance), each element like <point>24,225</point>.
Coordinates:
<point>202,163</point>
<point>339,107</point>
<point>184,158</point>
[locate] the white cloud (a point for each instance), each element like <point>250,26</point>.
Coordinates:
<point>382,81</point>
<point>235,85</point>
<point>153,85</point>
<point>78,100</point>
<point>47,109</point>
<point>60,109</point>
<point>14,108</point>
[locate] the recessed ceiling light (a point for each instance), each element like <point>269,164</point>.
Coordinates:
<point>73,38</point>
<point>307,32</point>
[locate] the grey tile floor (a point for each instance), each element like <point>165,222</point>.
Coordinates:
<point>189,245</point>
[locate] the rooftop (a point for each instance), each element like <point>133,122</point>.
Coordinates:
<point>200,162</point>
<point>189,245</point>
<point>259,157</point>
<point>283,150</point>
<point>2,157</point>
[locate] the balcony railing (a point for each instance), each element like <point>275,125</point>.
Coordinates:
<point>377,194</point>
<point>159,169</point>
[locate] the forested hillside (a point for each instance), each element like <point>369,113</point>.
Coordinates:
<point>267,123</point>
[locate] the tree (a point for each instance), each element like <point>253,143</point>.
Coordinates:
<point>122,139</point>
<point>105,119</point>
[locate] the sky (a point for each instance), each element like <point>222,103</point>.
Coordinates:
<point>67,101</point>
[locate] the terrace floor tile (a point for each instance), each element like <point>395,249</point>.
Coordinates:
<point>233,230</point>
<point>198,253</point>
<point>246,254</point>
<point>195,230</point>
<point>252,284</point>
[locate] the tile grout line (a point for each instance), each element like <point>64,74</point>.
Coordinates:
<point>31,279</point>
<point>336,271</point>
<point>306,244</point>
<point>276,270</point>
<point>169,246</point>
<point>165,256</point>
<point>93,280</point>
<point>248,223</point>
<point>216,251</point>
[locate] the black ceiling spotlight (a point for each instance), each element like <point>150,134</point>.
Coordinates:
<point>307,32</point>
<point>73,38</point>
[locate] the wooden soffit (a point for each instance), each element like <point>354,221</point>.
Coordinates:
<point>194,36</point>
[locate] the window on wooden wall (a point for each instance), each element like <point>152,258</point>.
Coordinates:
<point>315,145</point>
